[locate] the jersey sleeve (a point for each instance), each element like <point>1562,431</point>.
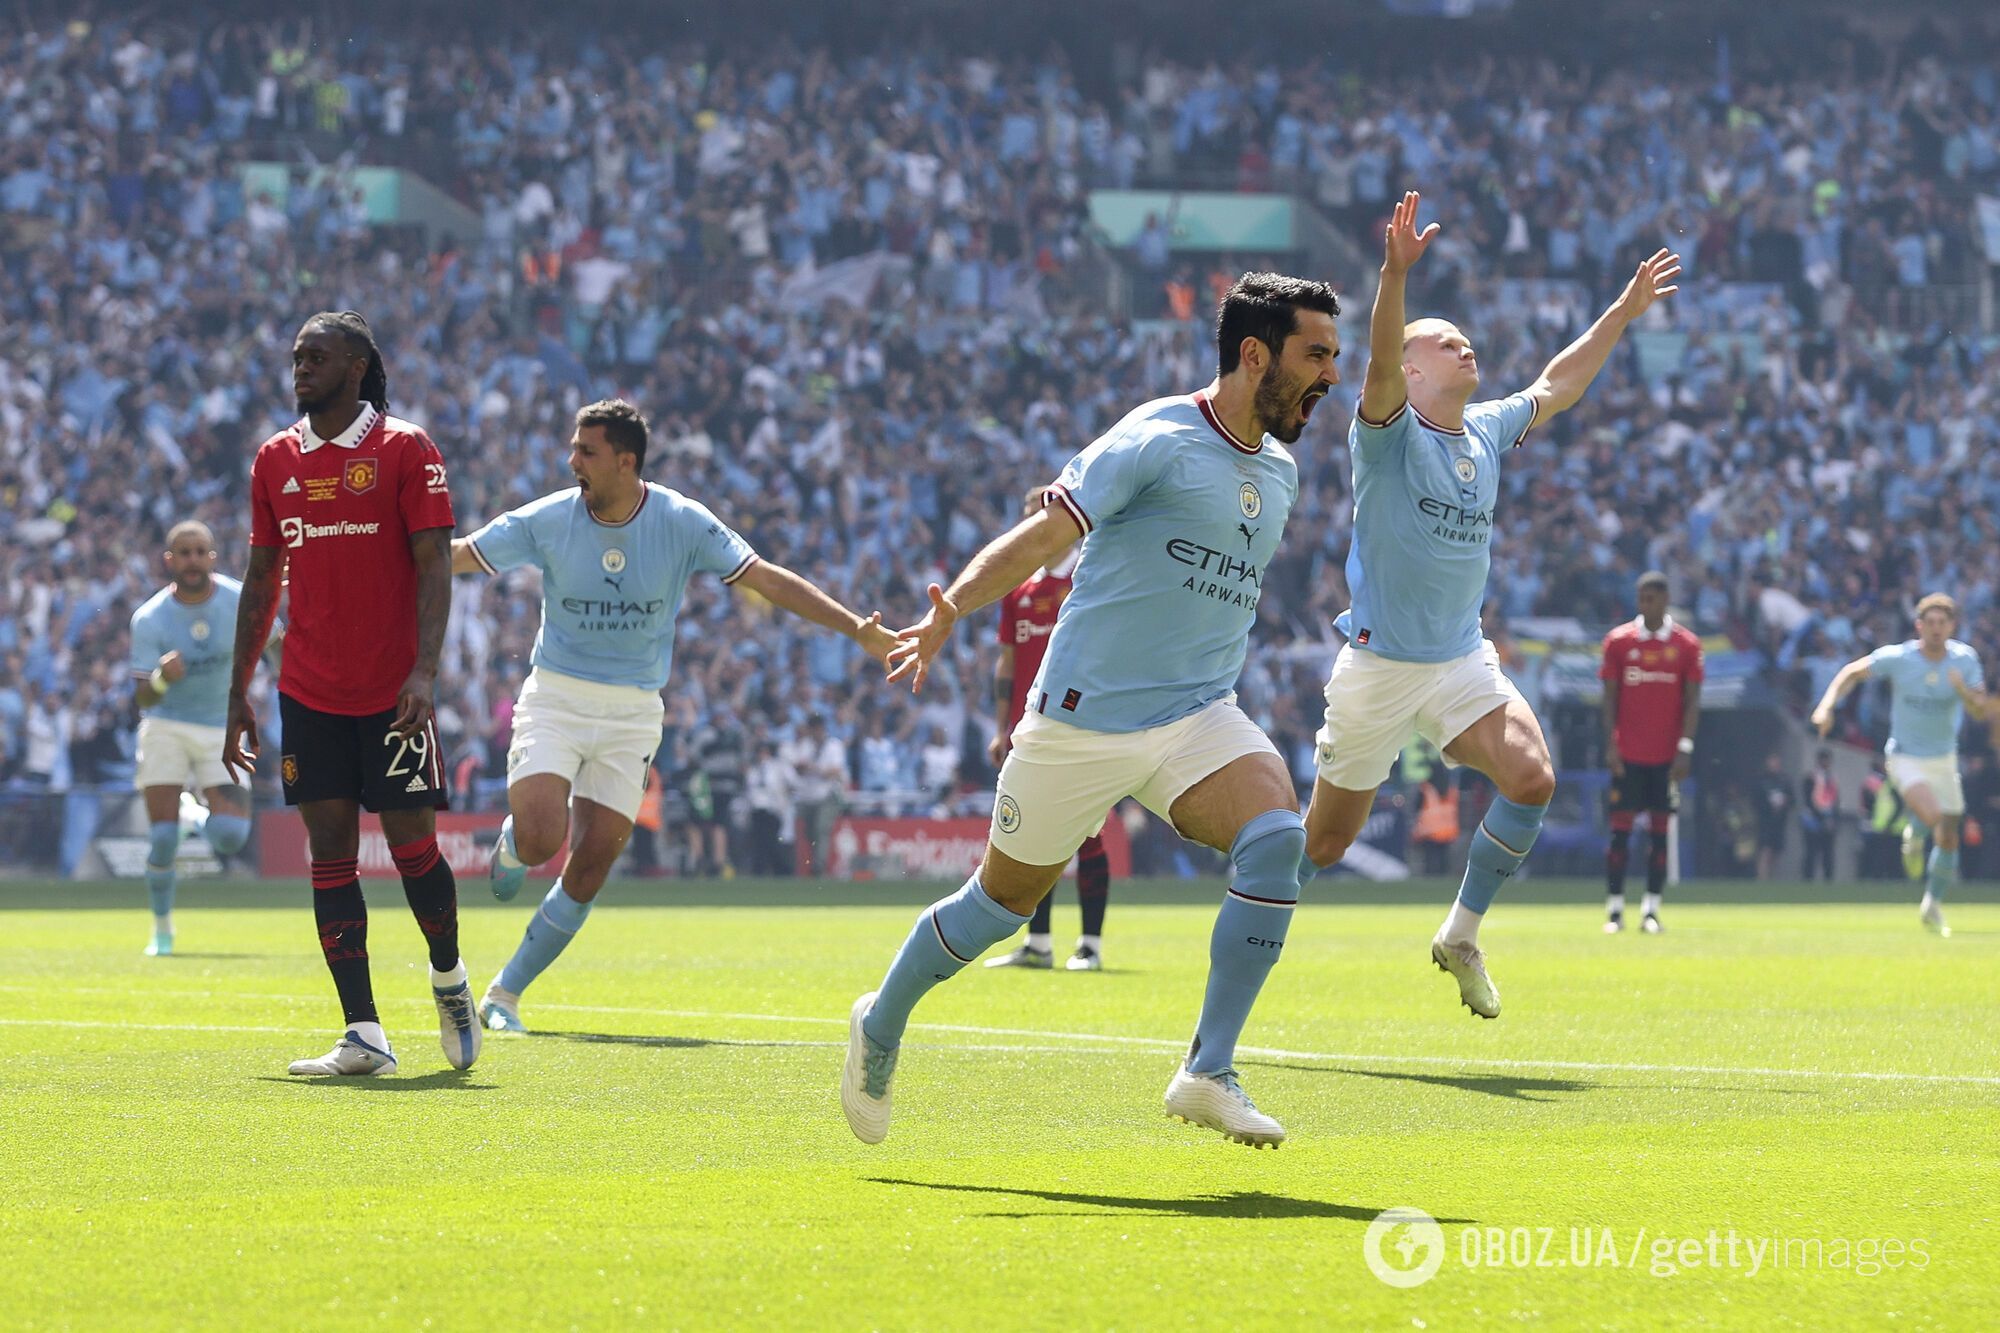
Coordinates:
<point>1697,668</point>
<point>508,542</point>
<point>1372,439</point>
<point>422,492</point>
<point>1099,482</point>
<point>263,519</point>
<point>716,547</point>
<point>1512,417</point>
<point>1974,672</point>
<point>1605,671</point>
<point>146,650</point>
<point>1884,658</point>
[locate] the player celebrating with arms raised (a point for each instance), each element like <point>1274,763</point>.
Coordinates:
<point>1181,506</point>
<point>351,505</point>
<point>182,687</point>
<point>1934,680</point>
<point>1652,673</point>
<point>1426,480</point>
<point>616,553</point>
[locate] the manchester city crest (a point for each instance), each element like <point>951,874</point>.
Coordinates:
<point>614,561</point>
<point>1250,499</point>
<point>199,631</point>
<point>1007,815</point>
<point>1466,469</point>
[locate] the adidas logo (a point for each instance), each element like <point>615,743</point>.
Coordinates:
<point>291,486</point>
<point>417,783</point>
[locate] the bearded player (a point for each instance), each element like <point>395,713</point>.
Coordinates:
<point>1426,480</point>
<point>351,505</point>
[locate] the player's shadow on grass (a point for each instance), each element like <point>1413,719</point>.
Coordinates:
<point>458,1080</point>
<point>1238,1204</point>
<point>659,1042</point>
<point>1510,1086</point>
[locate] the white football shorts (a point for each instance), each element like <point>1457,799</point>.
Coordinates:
<point>1374,705</point>
<point>599,738</point>
<point>1060,780</point>
<point>179,754</point>
<point>1938,772</point>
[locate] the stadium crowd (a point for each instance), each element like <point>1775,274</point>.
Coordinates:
<point>1806,439</point>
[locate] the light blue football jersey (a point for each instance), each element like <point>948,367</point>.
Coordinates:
<point>205,636</point>
<point>610,592</point>
<point>1924,710</point>
<point>1423,528</point>
<point>1180,522</point>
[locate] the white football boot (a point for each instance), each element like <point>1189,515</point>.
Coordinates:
<point>459,1029</point>
<point>500,1009</point>
<point>350,1056</point>
<point>1218,1102</point>
<point>1466,963</point>
<point>865,1079</point>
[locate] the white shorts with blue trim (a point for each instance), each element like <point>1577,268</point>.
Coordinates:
<point>1060,780</point>
<point>1375,705</point>
<point>1937,772</point>
<point>179,754</point>
<point>598,738</point>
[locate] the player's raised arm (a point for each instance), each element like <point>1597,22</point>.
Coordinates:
<point>999,567</point>
<point>1844,680</point>
<point>1383,390</point>
<point>1565,379</point>
<point>803,598</point>
<point>256,608</point>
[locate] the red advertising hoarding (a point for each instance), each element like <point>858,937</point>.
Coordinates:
<point>947,849</point>
<point>282,853</point>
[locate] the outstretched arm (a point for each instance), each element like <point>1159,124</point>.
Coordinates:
<point>256,608</point>
<point>1844,680</point>
<point>997,569</point>
<point>1383,389</point>
<point>788,592</point>
<point>1565,379</point>
<point>463,561</point>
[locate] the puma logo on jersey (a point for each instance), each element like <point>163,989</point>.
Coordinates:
<point>1248,532</point>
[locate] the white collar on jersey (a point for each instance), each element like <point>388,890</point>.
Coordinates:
<point>1665,632</point>
<point>350,438</point>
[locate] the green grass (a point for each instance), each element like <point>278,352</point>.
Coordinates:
<point>669,1149</point>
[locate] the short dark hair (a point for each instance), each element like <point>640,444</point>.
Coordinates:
<point>361,340</point>
<point>623,424</point>
<point>1652,578</point>
<point>1265,306</point>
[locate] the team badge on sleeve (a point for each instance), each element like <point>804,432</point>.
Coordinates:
<point>359,475</point>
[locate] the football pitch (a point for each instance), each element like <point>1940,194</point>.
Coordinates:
<point>1775,1115</point>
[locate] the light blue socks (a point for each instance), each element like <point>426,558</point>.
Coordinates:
<point>1499,845</point>
<point>1939,872</point>
<point>1249,933</point>
<point>163,840</point>
<point>226,833</point>
<point>549,932</point>
<point>950,934</point>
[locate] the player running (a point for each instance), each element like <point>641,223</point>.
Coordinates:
<point>351,506</point>
<point>182,687</point>
<point>1652,673</point>
<point>1934,680</point>
<point>1426,480</point>
<point>616,553</point>
<point>1181,506</point>
<point>1027,617</point>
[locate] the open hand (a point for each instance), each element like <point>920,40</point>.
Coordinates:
<point>1653,280</point>
<point>875,638</point>
<point>1404,244</point>
<point>915,646</point>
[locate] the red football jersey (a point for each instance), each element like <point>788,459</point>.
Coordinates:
<point>1027,618</point>
<point>343,516</point>
<point>1653,671</point>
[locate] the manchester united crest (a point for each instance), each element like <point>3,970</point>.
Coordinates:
<point>359,475</point>
<point>291,769</point>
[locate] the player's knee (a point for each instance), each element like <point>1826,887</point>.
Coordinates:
<point>1533,785</point>
<point>1326,846</point>
<point>162,841</point>
<point>535,843</point>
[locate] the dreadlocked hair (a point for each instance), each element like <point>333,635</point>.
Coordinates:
<point>350,325</point>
